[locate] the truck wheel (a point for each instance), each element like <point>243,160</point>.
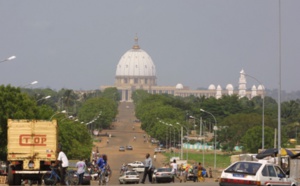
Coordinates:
<point>10,176</point>
<point>17,179</point>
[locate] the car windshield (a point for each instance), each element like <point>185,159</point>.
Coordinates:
<point>244,168</point>
<point>131,173</point>
<point>164,170</point>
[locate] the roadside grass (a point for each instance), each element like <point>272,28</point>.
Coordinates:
<point>207,159</point>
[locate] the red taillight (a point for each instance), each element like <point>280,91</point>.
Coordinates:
<point>236,181</point>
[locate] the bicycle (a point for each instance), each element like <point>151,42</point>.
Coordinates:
<point>51,177</point>
<point>104,175</point>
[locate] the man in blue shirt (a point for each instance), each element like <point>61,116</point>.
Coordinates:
<point>102,164</point>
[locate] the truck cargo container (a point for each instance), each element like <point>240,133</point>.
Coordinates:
<point>31,149</point>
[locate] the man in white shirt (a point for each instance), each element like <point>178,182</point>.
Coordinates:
<point>81,166</point>
<point>148,169</point>
<point>63,162</point>
<point>174,170</point>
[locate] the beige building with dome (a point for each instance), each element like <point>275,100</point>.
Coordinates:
<point>136,70</point>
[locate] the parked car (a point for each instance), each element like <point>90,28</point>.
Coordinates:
<point>254,173</point>
<point>129,147</point>
<point>159,150</point>
<point>163,174</point>
<point>121,148</point>
<point>3,168</point>
<point>129,177</point>
<point>136,164</point>
<point>139,168</point>
<point>154,141</point>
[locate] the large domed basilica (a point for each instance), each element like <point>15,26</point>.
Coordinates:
<point>136,70</point>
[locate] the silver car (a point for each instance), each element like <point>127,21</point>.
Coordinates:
<point>129,177</point>
<point>163,174</point>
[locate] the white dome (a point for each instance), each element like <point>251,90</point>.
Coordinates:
<point>253,87</point>
<point>219,87</point>
<point>229,87</point>
<point>212,87</point>
<point>136,62</point>
<point>260,87</point>
<point>179,86</point>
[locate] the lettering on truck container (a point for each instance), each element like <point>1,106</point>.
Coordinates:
<point>32,140</point>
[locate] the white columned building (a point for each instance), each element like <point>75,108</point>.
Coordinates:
<point>136,70</point>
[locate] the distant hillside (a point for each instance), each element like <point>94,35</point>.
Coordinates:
<point>284,95</point>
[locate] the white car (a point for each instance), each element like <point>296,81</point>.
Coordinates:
<point>139,169</point>
<point>159,150</point>
<point>129,177</point>
<point>136,164</point>
<point>243,173</point>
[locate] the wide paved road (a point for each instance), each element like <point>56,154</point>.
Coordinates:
<point>123,134</point>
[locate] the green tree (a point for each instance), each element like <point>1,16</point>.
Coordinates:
<point>14,105</point>
<point>76,139</point>
<point>111,93</point>
<point>234,127</point>
<point>252,140</point>
<point>100,110</point>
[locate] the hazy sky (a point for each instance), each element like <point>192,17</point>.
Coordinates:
<point>77,44</point>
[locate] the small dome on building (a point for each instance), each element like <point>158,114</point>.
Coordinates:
<point>229,87</point>
<point>179,86</point>
<point>219,87</point>
<point>212,87</point>
<point>260,87</point>
<point>253,87</point>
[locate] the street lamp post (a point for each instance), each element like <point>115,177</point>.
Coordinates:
<point>187,133</point>
<point>63,112</point>
<point>263,109</point>
<point>8,59</point>
<point>166,131</point>
<point>297,124</point>
<point>47,97</point>
<point>32,83</point>
<point>200,124</point>
<point>201,131</point>
<point>215,129</point>
<point>173,137</point>
<point>181,140</point>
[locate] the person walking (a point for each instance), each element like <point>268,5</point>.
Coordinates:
<point>174,167</point>
<point>81,166</point>
<point>148,169</point>
<point>186,172</point>
<point>154,156</point>
<point>210,173</point>
<point>200,176</point>
<point>195,172</point>
<point>63,162</point>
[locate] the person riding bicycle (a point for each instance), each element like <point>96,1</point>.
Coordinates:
<point>102,165</point>
<point>124,168</point>
<point>101,162</point>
